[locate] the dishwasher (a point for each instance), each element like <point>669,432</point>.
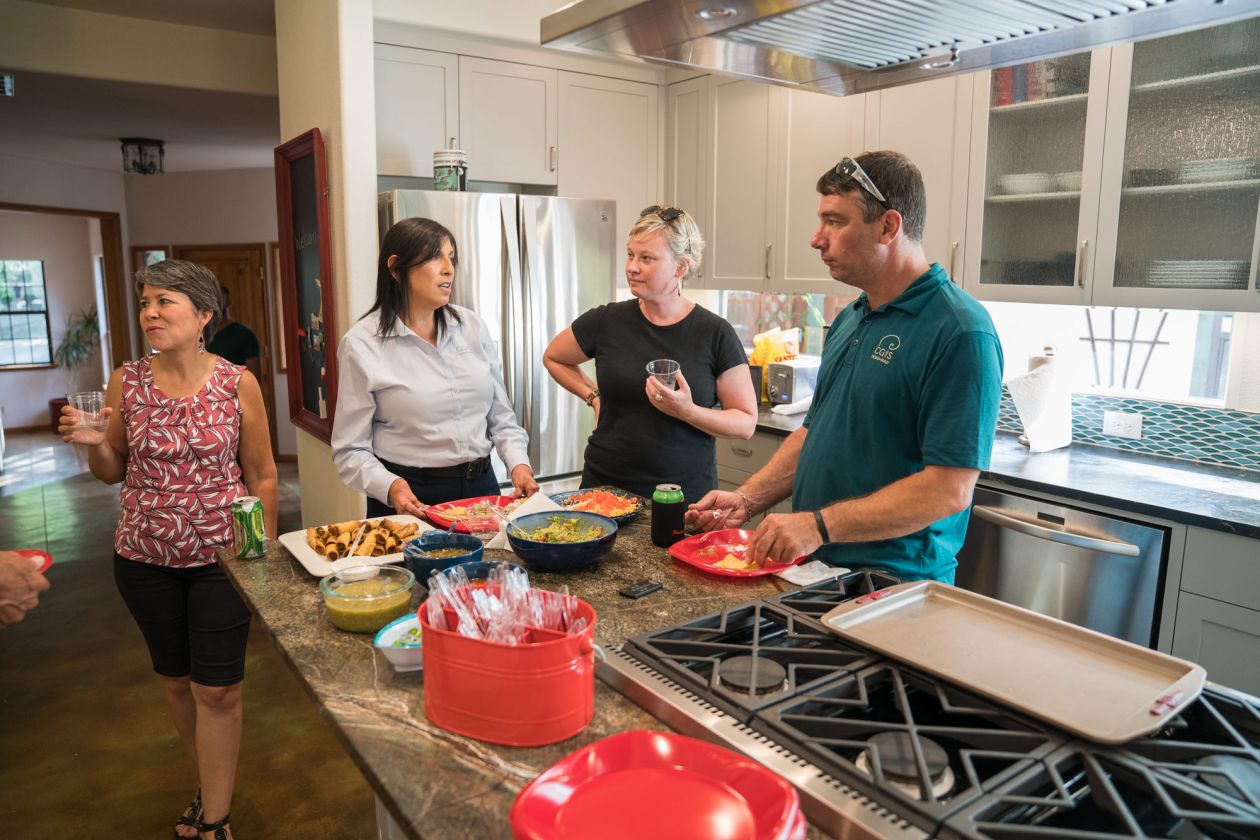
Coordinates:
<point>1096,571</point>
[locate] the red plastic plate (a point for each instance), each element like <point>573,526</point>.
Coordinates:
<point>41,559</point>
<point>467,526</point>
<point>657,785</point>
<point>703,550</point>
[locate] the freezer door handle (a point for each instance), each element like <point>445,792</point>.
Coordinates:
<point>1018,523</point>
<point>513,370</point>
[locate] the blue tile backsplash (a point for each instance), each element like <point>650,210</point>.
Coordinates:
<point>1171,430</point>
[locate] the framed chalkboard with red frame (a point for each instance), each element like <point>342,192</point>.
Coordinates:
<point>305,271</point>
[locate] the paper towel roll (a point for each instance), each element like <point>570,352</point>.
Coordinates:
<point>1043,400</point>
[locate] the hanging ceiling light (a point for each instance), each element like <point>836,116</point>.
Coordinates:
<point>142,155</point>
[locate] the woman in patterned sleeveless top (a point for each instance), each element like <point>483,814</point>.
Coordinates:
<point>186,434</point>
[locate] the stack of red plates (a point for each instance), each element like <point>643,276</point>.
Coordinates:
<point>660,786</point>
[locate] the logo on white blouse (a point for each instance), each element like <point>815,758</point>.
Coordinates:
<point>885,349</point>
<point>462,348</point>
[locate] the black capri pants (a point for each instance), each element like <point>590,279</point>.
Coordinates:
<point>193,620</point>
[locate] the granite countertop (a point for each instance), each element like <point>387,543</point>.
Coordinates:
<point>436,783</point>
<point>1214,497</point>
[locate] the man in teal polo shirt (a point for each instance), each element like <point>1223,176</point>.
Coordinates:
<point>904,412</point>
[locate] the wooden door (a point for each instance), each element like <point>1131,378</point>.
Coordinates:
<point>240,269</point>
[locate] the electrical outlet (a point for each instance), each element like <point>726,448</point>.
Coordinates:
<point>1120,424</point>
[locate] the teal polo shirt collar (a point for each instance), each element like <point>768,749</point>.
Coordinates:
<point>914,298</point>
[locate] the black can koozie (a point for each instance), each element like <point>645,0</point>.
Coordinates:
<point>668,507</point>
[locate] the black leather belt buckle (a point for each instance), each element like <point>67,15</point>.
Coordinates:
<point>474,469</point>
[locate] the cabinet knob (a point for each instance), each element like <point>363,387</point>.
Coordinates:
<point>553,158</point>
<point>1080,263</point>
<point>953,252</point>
<point>742,450</point>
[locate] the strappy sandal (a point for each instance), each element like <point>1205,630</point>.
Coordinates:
<point>191,814</point>
<point>219,828</point>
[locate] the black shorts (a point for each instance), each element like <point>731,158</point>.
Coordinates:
<point>193,620</point>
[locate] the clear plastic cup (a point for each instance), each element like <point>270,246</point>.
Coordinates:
<point>664,371</point>
<point>89,405</point>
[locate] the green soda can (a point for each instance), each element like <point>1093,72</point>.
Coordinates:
<point>250,538</point>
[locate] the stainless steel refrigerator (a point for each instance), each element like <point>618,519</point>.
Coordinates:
<point>528,265</point>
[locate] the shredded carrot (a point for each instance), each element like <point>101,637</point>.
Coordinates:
<point>601,502</point>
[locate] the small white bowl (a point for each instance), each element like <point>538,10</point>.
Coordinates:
<point>403,657</point>
<point>1068,181</point>
<point>1025,183</point>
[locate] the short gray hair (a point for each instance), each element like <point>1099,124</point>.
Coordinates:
<point>196,281</point>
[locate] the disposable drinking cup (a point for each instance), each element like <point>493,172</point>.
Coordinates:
<point>664,371</point>
<point>89,405</point>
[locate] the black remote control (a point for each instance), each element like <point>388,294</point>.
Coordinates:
<point>640,588</point>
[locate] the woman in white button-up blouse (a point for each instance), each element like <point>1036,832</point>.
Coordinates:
<point>420,397</point>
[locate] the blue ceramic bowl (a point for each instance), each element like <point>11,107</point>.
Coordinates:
<point>561,556</point>
<point>422,564</point>
<point>478,570</point>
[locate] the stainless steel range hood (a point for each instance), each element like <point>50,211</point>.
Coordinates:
<point>852,46</point>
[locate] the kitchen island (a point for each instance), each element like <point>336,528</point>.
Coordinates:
<point>435,783</point>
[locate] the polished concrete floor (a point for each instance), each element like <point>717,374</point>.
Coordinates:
<point>86,747</point>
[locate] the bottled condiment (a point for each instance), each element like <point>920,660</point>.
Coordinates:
<point>668,507</point>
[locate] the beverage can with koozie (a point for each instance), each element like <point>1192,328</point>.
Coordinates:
<point>668,507</point>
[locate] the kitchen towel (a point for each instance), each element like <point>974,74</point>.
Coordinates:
<point>1043,400</point>
<point>811,572</point>
<point>537,503</point>
<point>798,407</point>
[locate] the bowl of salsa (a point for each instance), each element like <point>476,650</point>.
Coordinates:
<point>363,599</point>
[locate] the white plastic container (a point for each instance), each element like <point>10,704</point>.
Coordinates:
<point>450,170</point>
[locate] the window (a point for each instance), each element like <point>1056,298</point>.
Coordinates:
<point>1159,354</point>
<point>755,312</point>
<point>25,338</point>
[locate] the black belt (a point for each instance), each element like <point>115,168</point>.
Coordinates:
<point>468,471</point>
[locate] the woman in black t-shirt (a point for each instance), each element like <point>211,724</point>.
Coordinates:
<point>645,433</point>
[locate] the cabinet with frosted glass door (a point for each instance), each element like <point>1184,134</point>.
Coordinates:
<point>1181,173</point>
<point>1036,161</point>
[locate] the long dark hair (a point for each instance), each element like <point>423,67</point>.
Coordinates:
<point>415,241</point>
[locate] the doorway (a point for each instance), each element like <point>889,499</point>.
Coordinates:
<point>241,270</point>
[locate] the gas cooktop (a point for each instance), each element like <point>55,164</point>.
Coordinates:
<point>877,749</point>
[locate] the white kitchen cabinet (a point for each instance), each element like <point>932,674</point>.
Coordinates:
<point>815,131</point>
<point>1165,143</point>
<point>1035,179</point>
<point>930,122</point>
<point>1223,566</point>
<point>741,195</point>
<point>507,121</point>
<point>688,148</point>
<point>609,143</point>
<point>417,108</point>
<point>1181,175</point>
<point>1223,638</point>
<point>737,460</point>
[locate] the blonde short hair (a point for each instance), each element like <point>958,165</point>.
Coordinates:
<point>682,234</point>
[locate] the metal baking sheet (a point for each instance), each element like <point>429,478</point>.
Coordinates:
<point>1103,689</point>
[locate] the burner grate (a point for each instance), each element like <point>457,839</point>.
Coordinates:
<point>818,599</point>
<point>1086,791</point>
<point>750,657</point>
<point>840,727</point>
<point>1214,742</point>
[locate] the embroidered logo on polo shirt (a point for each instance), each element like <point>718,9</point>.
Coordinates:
<point>885,349</point>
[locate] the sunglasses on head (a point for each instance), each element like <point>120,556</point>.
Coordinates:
<point>850,168</point>
<point>668,215</point>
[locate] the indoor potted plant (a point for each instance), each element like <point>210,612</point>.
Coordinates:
<point>79,355</point>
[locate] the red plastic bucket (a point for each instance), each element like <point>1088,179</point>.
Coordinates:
<point>524,695</point>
